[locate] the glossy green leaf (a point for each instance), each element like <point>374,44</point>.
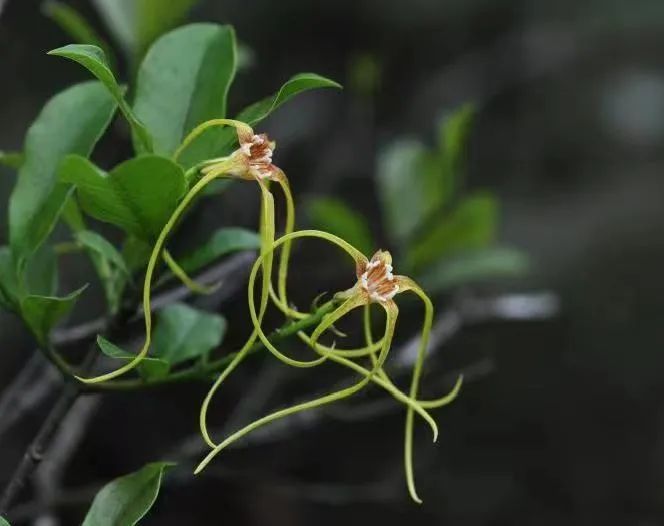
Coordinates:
<point>475,266</point>
<point>400,189</point>
<point>255,113</point>
<point>136,253</point>
<point>8,280</point>
<point>101,246</point>
<point>295,85</point>
<point>149,368</point>
<point>156,17</point>
<point>184,333</point>
<point>11,159</point>
<point>126,500</point>
<point>184,81</point>
<point>75,25</point>
<point>3,522</point>
<point>472,224</point>
<point>335,217</point>
<point>109,263</point>
<point>60,129</point>
<point>42,313</point>
<point>223,241</point>
<point>94,60</point>
<point>41,273</point>
<point>72,215</point>
<point>139,195</point>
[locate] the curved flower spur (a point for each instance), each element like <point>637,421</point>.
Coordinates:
<point>376,284</point>
<point>252,160</point>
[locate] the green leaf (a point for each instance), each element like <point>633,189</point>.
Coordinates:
<point>222,242</point>
<point>252,115</point>
<point>136,253</point>
<point>41,273</point>
<point>184,81</point>
<point>422,181</point>
<point>11,159</point>
<point>94,60</point>
<point>156,17</point>
<point>75,25</point>
<point>101,246</point>
<point>126,500</point>
<point>443,184</point>
<point>72,215</point>
<point>71,122</point>
<point>139,195</point>
<point>184,333</point>
<point>41,313</point>
<point>109,263</point>
<point>472,224</point>
<point>335,217</point>
<point>294,86</point>
<point>400,189</point>
<point>8,280</point>
<point>474,266</point>
<point>454,131</point>
<point>149,368</point>
<point>3,522</point>
<point>41,276</point>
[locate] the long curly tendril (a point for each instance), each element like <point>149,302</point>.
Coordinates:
<point>376,374</point>
<point>222,167</point>
<point>147,285</point>
<point>408,284</point>
<point>312,404</point>
<point>375,284</point>
<point>180,273</point>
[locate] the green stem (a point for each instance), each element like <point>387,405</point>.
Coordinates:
<point>336,396</point>
<point>147,285</point>
<point>204,372</point>
<point>188,282</point>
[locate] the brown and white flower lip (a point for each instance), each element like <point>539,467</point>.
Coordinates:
<point>252,160</point>
<point>258,150</point>
<point>376,277</point>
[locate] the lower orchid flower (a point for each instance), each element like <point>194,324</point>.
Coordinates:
<point>375,284</point>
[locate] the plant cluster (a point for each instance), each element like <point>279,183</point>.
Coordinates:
<point>183,142</point>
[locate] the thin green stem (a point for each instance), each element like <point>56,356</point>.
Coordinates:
<point>147,285</point>
<point>197,372</point>
<point>188,282</point>
<point>198,130</point>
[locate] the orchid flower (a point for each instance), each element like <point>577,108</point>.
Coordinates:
<point>375,284</point>
<point>252,160</point>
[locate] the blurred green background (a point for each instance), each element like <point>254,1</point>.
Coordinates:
<point>536,216</point>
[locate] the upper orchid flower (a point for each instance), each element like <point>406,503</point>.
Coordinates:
<point>252,160</point>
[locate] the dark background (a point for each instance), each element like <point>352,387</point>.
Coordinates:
<point>562,421</point>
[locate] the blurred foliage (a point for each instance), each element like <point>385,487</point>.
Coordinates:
<point>445,236</point>
<point>335,217</point>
